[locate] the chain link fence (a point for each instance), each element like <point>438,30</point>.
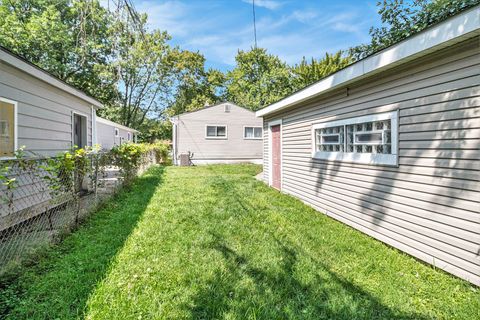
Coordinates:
<point>42,199</point>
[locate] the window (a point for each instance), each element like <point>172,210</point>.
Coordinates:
<point>252,133</point>
<point>369,139</point>
<point>219,132</point>
<point>79,130</point>
<point>8,134</point>
<point>129,136</point>
<point>226,108</point>
<point>117,132</point>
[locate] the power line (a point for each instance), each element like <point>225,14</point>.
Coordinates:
<point>254,24</point>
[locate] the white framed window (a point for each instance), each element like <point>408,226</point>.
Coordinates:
<point>254,133</point>
<point>129,136</point>
<point>8,128</point>
<point>79,130</point>
<point>371,139</point>
<point>215,132</point>
<point>117,132</point>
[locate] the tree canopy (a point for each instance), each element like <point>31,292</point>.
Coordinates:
<point>401,19</point>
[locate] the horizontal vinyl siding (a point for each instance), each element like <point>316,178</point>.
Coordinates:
<point>44,112</point>
<point>191,134</point>
<point>429,205</point>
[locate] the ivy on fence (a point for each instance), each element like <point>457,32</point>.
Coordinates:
<point>42,197</point>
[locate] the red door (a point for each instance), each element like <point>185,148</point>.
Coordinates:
<point>276,157</point>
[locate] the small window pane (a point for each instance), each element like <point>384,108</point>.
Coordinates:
<point>248,132</point>
<point>258,132</point>
<point>7,129</point>
<point>211,131</point>
<point>221,132</point>
<point>331,139</point>
<point>368,138</point>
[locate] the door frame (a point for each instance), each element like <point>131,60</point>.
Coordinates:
<point>73,127</point>
<point>270,153</point>
<point>15,126</point>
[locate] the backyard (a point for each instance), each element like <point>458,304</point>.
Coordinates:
<point>212,242</point>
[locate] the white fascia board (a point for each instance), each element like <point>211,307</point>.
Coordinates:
<point>38,73</point>
<point>116,125</point>
<point>427,41</point>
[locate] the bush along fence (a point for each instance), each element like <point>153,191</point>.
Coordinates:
<point>41,199</point>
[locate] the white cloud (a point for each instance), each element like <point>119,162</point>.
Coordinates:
<point>219,33</point>
<point>268,4</point>
<point>165,16</point>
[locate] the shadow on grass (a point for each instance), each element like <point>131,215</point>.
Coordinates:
<point>246,291</point>
<point>58,283</point>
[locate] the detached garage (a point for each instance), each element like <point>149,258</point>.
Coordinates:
<point>390,145</point>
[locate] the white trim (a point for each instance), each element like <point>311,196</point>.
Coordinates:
<point>73,126</point>
<point>355,120</point>
<point>43,75</point>
<point>94,127</point>
<point>217,137</point>
<point>270,154</point>
<point>245,138</point>
<point>114,124</point>
<point>15,126</point>
<point>365,158</point>
<point>448,32</point>
<point>174,141</point>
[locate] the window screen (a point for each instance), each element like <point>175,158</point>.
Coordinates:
<point>253,133</point>
<point>216,131</point>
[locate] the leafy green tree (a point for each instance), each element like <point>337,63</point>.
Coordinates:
<point>68,38</point>
<point>401,19</point>
<point>306,73</point>
<point>195,86</point>
<point>258,79</point>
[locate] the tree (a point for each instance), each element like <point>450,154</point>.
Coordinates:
<point>401,19</point>
<point>143,68</point>
<point>67,38</point>
<point>306,73</point>
<point>195,86</point>
<point>258,79</point>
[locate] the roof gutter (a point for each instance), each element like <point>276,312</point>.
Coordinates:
<point>455,29</point>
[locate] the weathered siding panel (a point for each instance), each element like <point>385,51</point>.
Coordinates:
<point>428,206</point>
<point>44,112</point>
<point>191,135</point>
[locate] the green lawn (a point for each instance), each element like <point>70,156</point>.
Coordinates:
<point>213,243</point>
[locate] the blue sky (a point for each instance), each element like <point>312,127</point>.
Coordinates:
<point>287,28</point>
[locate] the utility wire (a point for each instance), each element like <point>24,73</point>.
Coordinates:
<point>254,24</point>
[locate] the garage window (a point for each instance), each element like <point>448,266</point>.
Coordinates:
<point>368,139</point>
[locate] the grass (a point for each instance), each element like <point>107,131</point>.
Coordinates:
<point>213,243</point>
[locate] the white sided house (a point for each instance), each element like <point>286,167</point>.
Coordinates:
<point>110,134</point>
<point>390,145</point>
<point>41,112</point>
<point>44,115</point>
<point>222,133</point>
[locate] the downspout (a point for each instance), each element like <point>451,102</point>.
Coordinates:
<point>94,126</point>
<point>174,138</point>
